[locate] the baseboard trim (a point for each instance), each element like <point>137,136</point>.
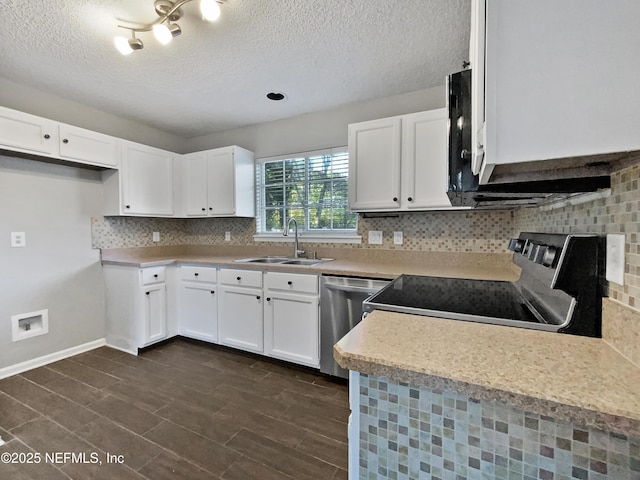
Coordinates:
<point>50,358</point>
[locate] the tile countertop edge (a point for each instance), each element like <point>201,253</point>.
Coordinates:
<point>586,414</point>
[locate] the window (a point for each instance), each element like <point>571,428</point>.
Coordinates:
<point>311,187</point>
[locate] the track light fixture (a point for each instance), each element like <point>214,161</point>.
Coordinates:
<point>163,29</point>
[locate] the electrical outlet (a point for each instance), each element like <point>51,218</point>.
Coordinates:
<point>397,238</point>
<point>227,236</point>
<point>375,237</point>
<point>615,259</point>
<point>18,239</point>
<point>156,236</point>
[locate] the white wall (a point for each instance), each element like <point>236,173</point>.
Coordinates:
<point>57,269</point>
<point>317,130</point>
<point>37,102</point>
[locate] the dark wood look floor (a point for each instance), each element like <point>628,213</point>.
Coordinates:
<point>182,410</point>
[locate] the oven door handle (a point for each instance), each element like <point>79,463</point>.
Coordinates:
<point>347,288</point>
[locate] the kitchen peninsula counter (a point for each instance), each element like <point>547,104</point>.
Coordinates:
<point>575,379</point>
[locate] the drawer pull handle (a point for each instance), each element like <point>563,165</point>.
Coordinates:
<point>289,282</point>
<point>258,297</point>
<point>238,278</point>
<point>212,292</point>
<point>128,206</point>
<point>47,136</point>
<point>196,274</point>
<point>204,209</point>
<point>65,140</point>
<point>395,199</point>
<point>410,199</point>
<point>147,293</point>
<point>268,299</point>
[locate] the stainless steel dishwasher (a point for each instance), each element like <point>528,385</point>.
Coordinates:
<point>340,310</point>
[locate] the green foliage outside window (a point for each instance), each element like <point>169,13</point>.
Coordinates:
<point>312,189</point>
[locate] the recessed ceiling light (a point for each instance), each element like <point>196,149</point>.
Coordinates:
<point>276,96</point>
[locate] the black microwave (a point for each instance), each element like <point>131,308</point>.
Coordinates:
<point>464,188</point>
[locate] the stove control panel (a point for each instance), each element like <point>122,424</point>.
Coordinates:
<point>539,253</point>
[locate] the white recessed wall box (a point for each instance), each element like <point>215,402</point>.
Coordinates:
<point>27,325</point>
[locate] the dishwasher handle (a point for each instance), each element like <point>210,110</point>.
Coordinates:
<point>351,288</point>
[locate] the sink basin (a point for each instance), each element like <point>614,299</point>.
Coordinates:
<point>263,260</point>
<point>285,260</point>
<point>306,261</point>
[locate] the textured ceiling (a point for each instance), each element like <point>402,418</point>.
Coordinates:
<point>321,53</point>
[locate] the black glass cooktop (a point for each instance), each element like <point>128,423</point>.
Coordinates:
<point>475,298</point>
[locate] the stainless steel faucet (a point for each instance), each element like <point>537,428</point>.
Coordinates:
<point>296,252</point>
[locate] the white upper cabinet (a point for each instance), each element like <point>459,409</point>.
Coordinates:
<point>27,133</point>
<point>85,146</point>
<point>424,160</point>
<point>399,163</point>
<point>374,164</point>
<point>561,81</point>
<point>219,183</point>
<point>144,184</point>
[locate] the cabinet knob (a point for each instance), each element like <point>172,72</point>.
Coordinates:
<point>268,299</point>
<point>155,275</point>
<point>204,209</point>
<point>128,206</point>
<point>410,199</point>
<point>395,199</point>
<point>258,297</point>
<point>210,208</point>
<point>47,136</point>
<point>65,140</point>
<point>289,282</point>
<point>196,274</point>
<point>212,292</point>
<point>238,278</point>
<point>147,293</point>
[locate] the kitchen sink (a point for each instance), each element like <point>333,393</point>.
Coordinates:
<point>285,260</point>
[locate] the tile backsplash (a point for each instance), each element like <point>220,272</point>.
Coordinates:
<point>617,213</point>
<point>454,231</point>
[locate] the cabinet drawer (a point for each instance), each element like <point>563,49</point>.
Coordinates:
<point>199,274</point>
<point>291,282</point>
<point>245,278</point>
<point>152,275</point>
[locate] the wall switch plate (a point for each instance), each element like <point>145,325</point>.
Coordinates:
<point>156,236</point>
<point>397,238</point>
<point>615,258</point>
<point>227,236</point>
<point>375,237</point>
<point>18,239</point>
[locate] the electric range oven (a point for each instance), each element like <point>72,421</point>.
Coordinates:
<point>560,289</point>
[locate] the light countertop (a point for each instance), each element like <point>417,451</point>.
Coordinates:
<point>386,264</point>
<point>577,379</point>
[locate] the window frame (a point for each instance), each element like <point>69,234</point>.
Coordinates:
<point>319,235</point>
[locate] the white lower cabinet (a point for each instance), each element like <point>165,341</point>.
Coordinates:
<point>136,306</point>
<point>198,303</point>
<point>240,312</point>
<point>291,328</point>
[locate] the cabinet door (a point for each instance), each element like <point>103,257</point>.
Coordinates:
<point>221,182</point>
<point>240,318</point>
<point>476,53</point>
<point>154,308</point>
<point>24,132</point>
<point>88,147</point>
<point>291,328</point>
<point>199,311</point>
<point>424,160</point>
<point>147,180</point>
<point>194,184</point>
<point>374,165</point>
